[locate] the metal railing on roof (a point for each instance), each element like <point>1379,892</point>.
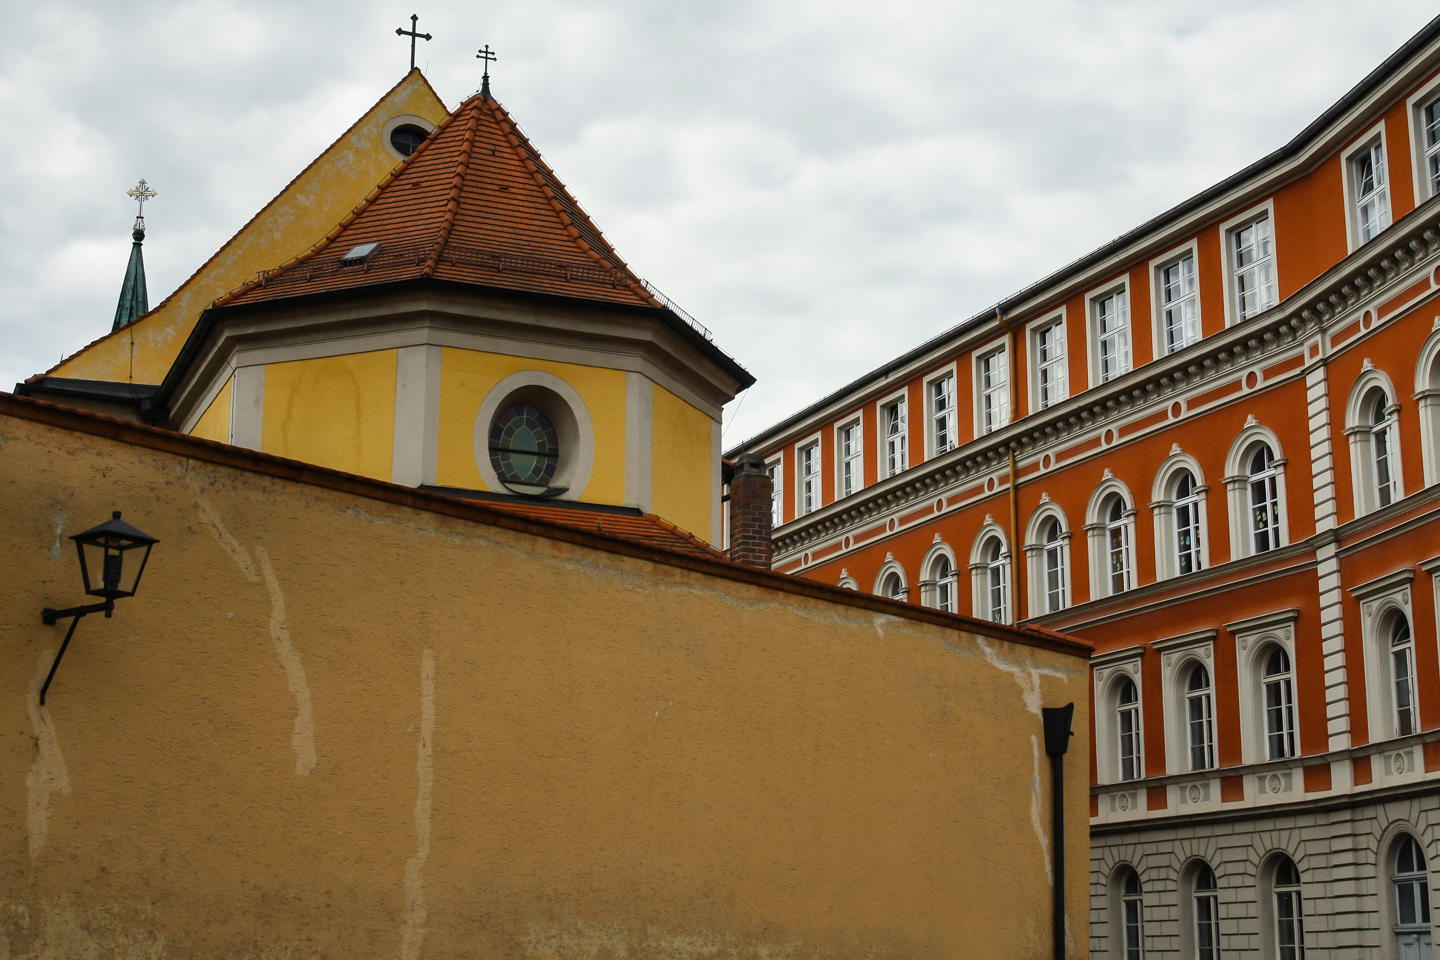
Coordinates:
<point>679,311</point>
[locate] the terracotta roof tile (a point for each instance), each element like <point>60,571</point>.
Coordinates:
<point>474,204</point>
<point>646,529</point>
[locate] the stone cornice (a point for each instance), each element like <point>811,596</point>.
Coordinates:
<point>1363,279</point>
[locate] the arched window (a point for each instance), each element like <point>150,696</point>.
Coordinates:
<point>1402,675</point>
<point>1127,727</point>
<point>1279,705</point>
<point>997,587</point>
<point>1053,564</point>
<point>1264,500</point>
<point>1047,556</point>
<point>1207,914</point>
<point>1187,525</point>
<point>893,586</point>
<point>1289,914</point>
<point>1132,910</point>
<point>1117,547</point>
<point>1382,445</point>
<point>1200,718</point>
<point>1411,880</point>
<point>1372,419</point>
<point>943,573</point>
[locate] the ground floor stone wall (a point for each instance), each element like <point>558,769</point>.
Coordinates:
<point>1343,847</point>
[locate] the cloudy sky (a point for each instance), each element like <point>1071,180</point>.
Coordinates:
<point>824,184</point>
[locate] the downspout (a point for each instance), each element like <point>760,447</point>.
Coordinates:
<point>1016,550</point>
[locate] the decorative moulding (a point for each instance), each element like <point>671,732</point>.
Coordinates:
<point>1266,621</point>
<point>1383,584</point>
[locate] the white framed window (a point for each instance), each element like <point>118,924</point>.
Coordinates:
<point>1050,374</point>
<point>1175,294</point>
<point>807,477</point>
<point>776,469</point>
<point>940,402</point>
<point>1430,138</point>
<point>1427,392</point>
<point>1199,717</point>
<point>1410,886</point>
<point>1110,523</point>
<point>1256,487</point>
<point>992,381</point>
<point>895,430</point>
<point>1250,268</point>
<point>1110,353</point>
<point>990,574</point>
<point>1127,729</point>
<point>1047,552</point>
<point>1205,913</point>
<point>1367,191</point>
<point>1186,675</point>
<point>1278,684</point>
<point>938,585</point>
<point>1289,912</point>
<point>850,454</point>
<point>1386,621</point>
<point>1372,425</point>
<point>1132,905</point>
<point>890,582</point>
<point>1423,110</point>
<point>1180,517</point>
<point>1264,659</point>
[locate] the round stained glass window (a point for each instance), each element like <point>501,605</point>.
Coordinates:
<point>524,447</point>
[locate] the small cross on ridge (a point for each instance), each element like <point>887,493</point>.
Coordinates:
<point>140,193</point>
<point>487,55</point>
<point>412,33</point>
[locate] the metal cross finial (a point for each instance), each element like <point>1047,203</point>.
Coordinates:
<point>489,57</point>
<point>140,192</point>
<point>412,33</point>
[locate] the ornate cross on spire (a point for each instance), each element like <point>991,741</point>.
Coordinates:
<point>412,33</point>
<point>140,192</point>
<point>489,57</point>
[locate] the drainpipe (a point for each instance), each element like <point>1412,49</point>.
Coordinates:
<point>1016,551</point>
<point>1057,741</point>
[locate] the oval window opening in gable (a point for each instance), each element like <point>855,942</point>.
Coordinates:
<point>406,138</point>
<point>525,449</point>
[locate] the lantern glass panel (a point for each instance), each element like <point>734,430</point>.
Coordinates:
<point>112,558</point>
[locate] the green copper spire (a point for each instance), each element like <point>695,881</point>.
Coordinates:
<point>134,299</point>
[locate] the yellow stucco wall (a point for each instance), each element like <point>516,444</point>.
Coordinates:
<point>338,412</point>
<point>298,218</point>
<point>214,423</point>
<point>681,486</point>
<point>467,376</point>
<point>330,726</point>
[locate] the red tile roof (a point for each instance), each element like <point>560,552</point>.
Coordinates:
<point>646,529</point>
<point>475,204</point>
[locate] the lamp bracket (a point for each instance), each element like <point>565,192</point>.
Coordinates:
<point>49,616</point>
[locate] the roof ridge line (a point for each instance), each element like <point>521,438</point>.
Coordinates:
<point>515,136</point>
<point>457,184</point>
<point>324,242</point>
<point>246,225</point>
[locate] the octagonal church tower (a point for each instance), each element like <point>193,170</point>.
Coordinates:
<point>469,330</point>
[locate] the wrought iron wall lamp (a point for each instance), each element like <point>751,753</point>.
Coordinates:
<point>112,558</point>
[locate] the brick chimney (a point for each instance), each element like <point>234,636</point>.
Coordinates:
<point>750,499</point>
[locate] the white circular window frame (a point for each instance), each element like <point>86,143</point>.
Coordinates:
<point>404,120</point>
<point>574,471</point>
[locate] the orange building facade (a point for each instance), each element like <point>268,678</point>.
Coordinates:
<point>1212,449</point>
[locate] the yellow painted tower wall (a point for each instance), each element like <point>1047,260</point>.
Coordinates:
<point>335,725</point>
<point>682,454</point>
<point>467,376</point>
<point>214,423</point>
<point>337,412</point>
<point>298,218</point>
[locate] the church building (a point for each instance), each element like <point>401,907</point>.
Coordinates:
<point>403,514</point>
<point>1212,449</point>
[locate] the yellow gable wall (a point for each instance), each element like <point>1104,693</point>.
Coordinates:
<point>303,213</point>
<point>214,423</point>
<point>467,376</point>
<point>338,412</point>
<point>681,451</point>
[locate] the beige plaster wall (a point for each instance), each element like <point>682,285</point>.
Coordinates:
<point>334,726</point>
